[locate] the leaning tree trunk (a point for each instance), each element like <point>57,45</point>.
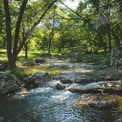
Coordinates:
<point>29,32</point>
<point>13,56</point>
<point>18,24</point>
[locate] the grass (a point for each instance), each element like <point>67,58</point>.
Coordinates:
<point>23,71</point>
<point>20,73</point>
<point>3,55</point>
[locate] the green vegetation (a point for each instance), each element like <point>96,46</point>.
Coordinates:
<point>95,57</point>
<point>46,28</point>
<point>23,71</point>
<point>74,45</point>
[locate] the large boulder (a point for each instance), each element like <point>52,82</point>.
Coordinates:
<point>98,87</point>
<point>38,79</point>
<point>8,83</point>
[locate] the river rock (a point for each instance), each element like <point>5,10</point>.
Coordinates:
<point>85,80</point>
<point>39,60</point>
<point>66,81</point>
<point>38,79</point>
<point>98,87</point>
<point>60,86</point>
<point>8,83</point>
<point>29,63</point>
<point>103,104</point>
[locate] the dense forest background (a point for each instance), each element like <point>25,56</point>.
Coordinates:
<point>53,27</point>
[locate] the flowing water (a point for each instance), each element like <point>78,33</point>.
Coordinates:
<point>46,104</point>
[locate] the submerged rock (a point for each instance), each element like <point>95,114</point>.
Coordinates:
<point>103,104</point>
<point>8,83</point>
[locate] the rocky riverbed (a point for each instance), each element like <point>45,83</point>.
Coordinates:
<point>75,92</point>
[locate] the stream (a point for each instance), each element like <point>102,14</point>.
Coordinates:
<point>47,104</point>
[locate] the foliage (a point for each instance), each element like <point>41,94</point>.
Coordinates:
<point>23,12</point>
<point>62,29</point>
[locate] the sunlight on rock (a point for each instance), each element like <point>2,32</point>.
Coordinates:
<point>85,99</point>
<point>120,102</point>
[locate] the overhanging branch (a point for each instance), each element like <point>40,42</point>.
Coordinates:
<point>29,33</point>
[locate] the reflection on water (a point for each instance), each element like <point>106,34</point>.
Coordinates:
<point>49,105</point>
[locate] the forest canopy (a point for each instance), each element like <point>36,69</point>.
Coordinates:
<point>94,26</point>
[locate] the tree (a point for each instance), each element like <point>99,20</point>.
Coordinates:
<point>13,51</point>
<point>2,26</point>
<point>107,12</point>
<point>50,26</point>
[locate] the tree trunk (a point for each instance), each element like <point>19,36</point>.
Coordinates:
<point>109,38</point>
<point>10,64</point>
<point>116,38</point>
<point>26,50</point>
<point>12,57</point>
<point>50,40</point>
<point>16,50</point>
<point>109,31</point>
<point>51,33</point>
<point>18,24</point>
<point>49,46</point>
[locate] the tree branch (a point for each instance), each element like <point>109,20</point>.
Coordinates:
<point>29,33</point>
<point>18,24</point>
